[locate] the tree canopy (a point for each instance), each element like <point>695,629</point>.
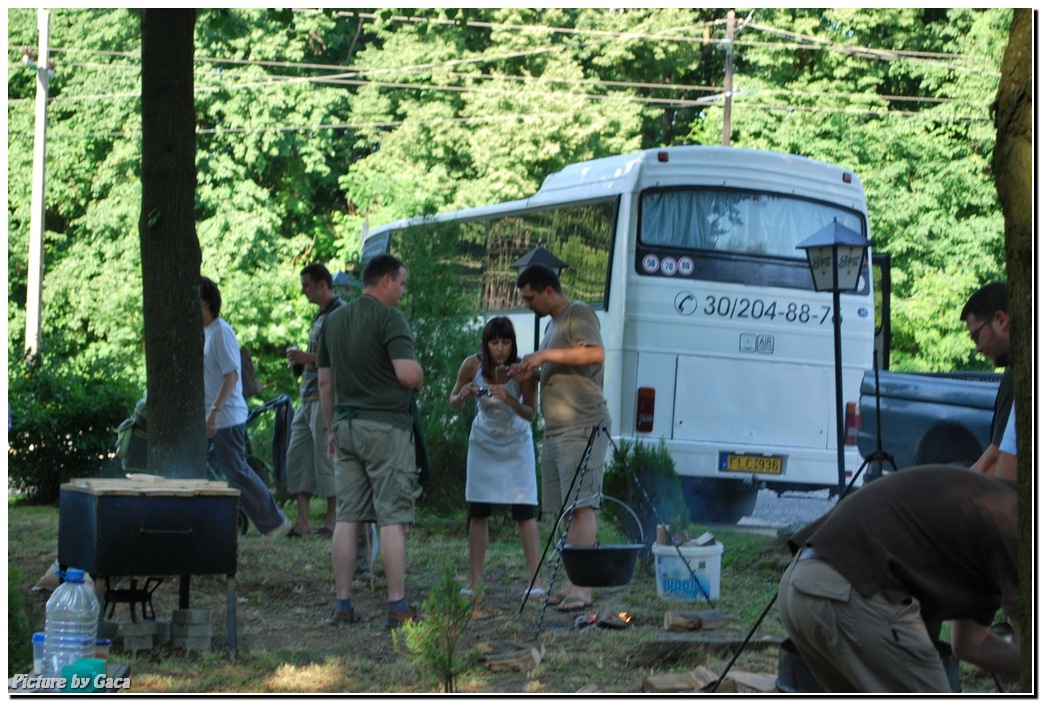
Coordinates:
<point>314,124</point>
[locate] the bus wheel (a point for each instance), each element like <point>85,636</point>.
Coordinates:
<point>710,500</point>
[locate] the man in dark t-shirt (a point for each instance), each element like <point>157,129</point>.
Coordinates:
<point>924,543</point>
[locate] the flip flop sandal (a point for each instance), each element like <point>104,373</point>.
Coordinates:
<point>554,600</point>
<point>573,603</point>
<point>535,594</point>
<point>324,532</point>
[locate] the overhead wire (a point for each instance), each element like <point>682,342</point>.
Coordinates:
<point>343,79</point>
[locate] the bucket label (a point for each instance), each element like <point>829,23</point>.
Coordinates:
<point>677,581</point>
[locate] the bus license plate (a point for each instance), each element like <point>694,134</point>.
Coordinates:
<point>750,463</point>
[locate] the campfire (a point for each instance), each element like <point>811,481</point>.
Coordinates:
<point>621,620</point>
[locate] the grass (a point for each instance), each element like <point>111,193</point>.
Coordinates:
<point>285,588</point>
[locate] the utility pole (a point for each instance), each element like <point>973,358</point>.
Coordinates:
<point>728,80</point>
<point>36,221</point>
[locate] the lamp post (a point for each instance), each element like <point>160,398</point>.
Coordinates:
<point>539,256</point>
<point>836,256</point>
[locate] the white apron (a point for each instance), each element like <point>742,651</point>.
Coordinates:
<point>500,462</point>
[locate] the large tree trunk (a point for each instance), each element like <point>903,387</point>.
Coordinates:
<point>170,256</point>
<point>1013,171</point>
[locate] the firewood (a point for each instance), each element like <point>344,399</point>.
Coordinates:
<point>692,621</point>
<point>519,658</point>
<point>670,682</point>
<point>728,686</point>
<point>680,682</point>
<point>753,682</point>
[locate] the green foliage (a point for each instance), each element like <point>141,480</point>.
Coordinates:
<point>446,331</point>
<point>435,640</point>
<point>440,109</point>
<point>22,621</point>
<point>917,131</point>
<point>63,420</point>
<point>655,479</point>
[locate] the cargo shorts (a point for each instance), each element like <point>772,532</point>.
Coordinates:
<point>562,455</point>
<point>376,475</point>
<point>309,469</point>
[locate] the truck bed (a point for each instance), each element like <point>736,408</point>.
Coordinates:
<point>926,417</point>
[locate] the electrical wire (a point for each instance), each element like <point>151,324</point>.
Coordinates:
<point>342,78</point>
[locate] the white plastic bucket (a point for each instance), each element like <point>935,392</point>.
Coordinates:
<point>673,578</point>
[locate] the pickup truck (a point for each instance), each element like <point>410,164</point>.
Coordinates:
<point>925,418</point>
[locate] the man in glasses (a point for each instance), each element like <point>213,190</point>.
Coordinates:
<point>986,318</point>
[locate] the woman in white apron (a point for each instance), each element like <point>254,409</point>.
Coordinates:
<point>500,462</point>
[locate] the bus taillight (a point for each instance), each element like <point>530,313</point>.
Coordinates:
<point>645,409</point>
<point>852,423</point>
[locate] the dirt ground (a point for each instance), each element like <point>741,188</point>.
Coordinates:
<point>284,590</point>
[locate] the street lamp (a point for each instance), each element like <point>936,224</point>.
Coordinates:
<point>836,256</point>
<point>539,256</point>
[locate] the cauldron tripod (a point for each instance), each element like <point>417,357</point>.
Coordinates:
<point>612,564</point>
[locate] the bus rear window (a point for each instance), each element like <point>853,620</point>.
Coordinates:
<point>735,221</point>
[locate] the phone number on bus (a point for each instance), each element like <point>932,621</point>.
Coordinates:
<point>752,308</point>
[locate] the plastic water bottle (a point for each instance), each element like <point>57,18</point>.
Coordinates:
<point>72,624</point>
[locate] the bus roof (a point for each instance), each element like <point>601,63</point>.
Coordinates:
<point>723,166</point>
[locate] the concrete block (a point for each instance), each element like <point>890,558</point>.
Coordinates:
<point>191,643</point>
<point>191,616</point>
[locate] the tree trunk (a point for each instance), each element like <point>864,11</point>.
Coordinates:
<point>170,255</point>
<point>1013,171</point>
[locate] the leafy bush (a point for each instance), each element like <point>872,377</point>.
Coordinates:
<point>22,621</point>
<point>655,474</point>
<point>447,330</point>
<point>63,421</point>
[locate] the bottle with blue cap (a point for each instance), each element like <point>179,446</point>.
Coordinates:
<point>72,623</point>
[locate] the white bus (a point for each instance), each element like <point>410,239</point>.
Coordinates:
<point>714,337</point>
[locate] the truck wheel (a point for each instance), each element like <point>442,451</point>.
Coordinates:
<point>718,501</point>
<point>947,444</point>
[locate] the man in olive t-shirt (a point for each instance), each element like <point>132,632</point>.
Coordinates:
<point>570,366</point>
<point>367,373</point>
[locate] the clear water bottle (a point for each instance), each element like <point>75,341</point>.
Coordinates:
<point>72,624</point>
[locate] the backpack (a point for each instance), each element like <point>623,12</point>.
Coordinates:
<point>132,439</point>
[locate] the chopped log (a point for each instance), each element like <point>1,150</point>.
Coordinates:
<point>672,645</point>
<point>500,656</point>
<point>728,686</point>
<point>753,682</point>
<point>705,675</point>
<point>688,681</point>
<point>706,539</point>
<point>670,682</point>
<point>692,621</point>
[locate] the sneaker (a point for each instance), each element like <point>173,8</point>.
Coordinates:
<point>396,619</point>
<point>341,618</point>
<point>280,531</point>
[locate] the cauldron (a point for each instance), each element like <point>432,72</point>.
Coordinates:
<point>602,565</point>
<point>605,565</point>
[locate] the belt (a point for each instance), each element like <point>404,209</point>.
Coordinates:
<point>808,554</point>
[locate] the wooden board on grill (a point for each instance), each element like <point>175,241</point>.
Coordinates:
<point>150,487</point>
